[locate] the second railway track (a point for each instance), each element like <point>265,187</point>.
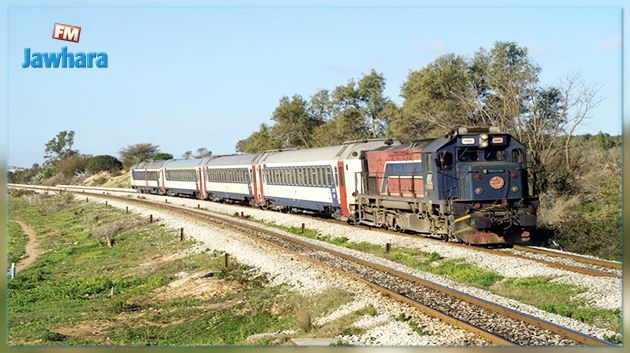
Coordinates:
<point>497,324</point>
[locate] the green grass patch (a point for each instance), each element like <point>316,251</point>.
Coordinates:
<point>109,292</point>
<point>557,298</point>
<point>537,291</point>
<point>17,242</point>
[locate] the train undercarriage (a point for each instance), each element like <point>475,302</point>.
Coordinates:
<point>469,222</point>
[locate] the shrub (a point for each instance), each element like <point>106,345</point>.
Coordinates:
<point>73,165</point>
<point>162,156</point>
<point>103,162</point>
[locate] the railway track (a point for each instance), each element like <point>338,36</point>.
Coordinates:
<point>564,261</point>
<point>577,258</point>
<point>496,324</point>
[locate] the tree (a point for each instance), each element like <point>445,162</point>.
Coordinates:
<point>202,152</point>
<point>499,87</point>
<point>103,162</point>
<point>72,165</point>
<point>293,123</point>
<point>345,126</point>
<point>133,154</point>
<point>187,155</point>
<point>373,103</point>
<point>60,146</point>
<point>261,140</point>
<point>434,99</point>
<point>162,156</point>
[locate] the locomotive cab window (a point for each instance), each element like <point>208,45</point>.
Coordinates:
<point>467,155</point>
<point>445,160</point>
<point>494,154</point>
<point>517,156</point>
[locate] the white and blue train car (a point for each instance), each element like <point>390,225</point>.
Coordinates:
<point>300,179</point>
<point>186,177</point>
<point>231,178</point>
<point>324,180</point>
<point>147,177</point>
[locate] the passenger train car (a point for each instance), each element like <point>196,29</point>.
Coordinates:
<point>469,185</point>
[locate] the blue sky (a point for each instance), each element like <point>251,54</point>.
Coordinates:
<point>194,77</point>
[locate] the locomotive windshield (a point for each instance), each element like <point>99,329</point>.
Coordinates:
<point>475,154</point>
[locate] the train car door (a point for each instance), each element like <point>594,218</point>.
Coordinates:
<point>201,183</point>
<point>343,197</point>
<point>162,175</point>
<point>261,181</point>
<point>254,183</point>
<point>445,161</point>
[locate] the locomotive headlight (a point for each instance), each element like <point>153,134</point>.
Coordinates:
<point>483,144</point>
<point>514,188</point>
<point>478,191</point>
<point>483,137</point>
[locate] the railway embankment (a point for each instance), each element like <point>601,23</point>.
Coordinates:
<point>109,276</point>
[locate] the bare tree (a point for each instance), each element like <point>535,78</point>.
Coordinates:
<point>580,98</point>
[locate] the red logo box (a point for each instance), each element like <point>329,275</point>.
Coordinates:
<point>68,33</point>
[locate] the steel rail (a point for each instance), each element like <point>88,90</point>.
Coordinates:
<point>576,258</point>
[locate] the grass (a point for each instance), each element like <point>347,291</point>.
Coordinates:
<point>17,242</point>
<point>107,294</point>
<point>540,292</point>
<point>558,298</point>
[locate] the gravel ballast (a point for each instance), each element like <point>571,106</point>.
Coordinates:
<point>602,292</point>
<point>308,278</point>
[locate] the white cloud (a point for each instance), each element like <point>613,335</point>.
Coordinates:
<point>611,42</point>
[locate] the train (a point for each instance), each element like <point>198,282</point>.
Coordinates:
<point>469,185</point>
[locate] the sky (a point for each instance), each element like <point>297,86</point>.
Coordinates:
<point>190,77</point>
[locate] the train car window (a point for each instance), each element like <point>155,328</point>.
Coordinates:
<point>307,176</point>
<point>320,179</point>
<point>445,160</point>
<point>428,163</point>
<point>293,176</point>
<point>300,176</point>
<point>283,180</point>
<point>328,175</point>
<point>311,179</point>
<point>316,179</point>
<point>467,155</point>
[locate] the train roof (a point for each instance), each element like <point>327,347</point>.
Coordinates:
<point>348,150</point>
<point>182,163</point>
<point>149,165</point>
<point>232,159</point>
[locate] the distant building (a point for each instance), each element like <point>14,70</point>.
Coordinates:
<point>13,169</point>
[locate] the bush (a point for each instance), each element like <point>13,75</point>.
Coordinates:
<point>73,165</point>
<point>162,156</point>
<point>103,162</point>
<point>591,230</point>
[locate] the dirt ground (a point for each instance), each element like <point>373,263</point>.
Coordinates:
<point>32,247</point>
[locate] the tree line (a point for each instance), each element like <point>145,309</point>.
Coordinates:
<point>496,87</point>
<point>62,163</point>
